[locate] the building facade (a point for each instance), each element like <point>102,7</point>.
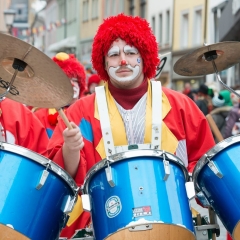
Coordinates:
<point>189,33</point>
<point>160,16</point>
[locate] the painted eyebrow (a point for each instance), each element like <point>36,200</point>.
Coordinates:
<point>128,48</point>
<point>113,50</point>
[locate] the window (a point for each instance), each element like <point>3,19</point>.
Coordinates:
<point>94,9</point>
<point>107,8</point>
<point>184,32</point>
<point>160,28</point>
<point>153,25</point>
<point>131,7</point>
<point>197,31</point>
<point>167,27</point>
<point>143,8</point>
<point>120,8</point>
<point>85,10</point>
<point>71,10</point>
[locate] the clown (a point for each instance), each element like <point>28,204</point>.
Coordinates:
<point>125,56</point>
<point>76,74</point>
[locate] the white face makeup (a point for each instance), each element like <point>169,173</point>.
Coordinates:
<point>124,65</point>
<point>76,88</point>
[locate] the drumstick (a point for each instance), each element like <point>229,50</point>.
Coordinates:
<point>214,128</point>
<point>64,118</point>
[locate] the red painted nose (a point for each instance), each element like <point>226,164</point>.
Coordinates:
<point>123,62</point>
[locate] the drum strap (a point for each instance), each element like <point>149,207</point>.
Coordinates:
<point>104,121</point>
<point>110,149</point>
<point>156,115</point>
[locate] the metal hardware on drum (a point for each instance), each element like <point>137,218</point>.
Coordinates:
<point>214,168</point>
<point>109,174</point>
<point>142,227</point>
<point>166,167</point>
<point>44,176</point>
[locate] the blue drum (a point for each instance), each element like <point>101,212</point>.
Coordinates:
<point>36,195</point>
<point>217,176</point>
<point>139,194</point>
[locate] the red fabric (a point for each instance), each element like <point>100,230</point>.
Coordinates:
<point>94,78</point>
<point>229,237</point>
<point>25,128</point>
<point>131,96</point>
<point>134,31</point>
<point>185,121</point>
<point>43,115</point>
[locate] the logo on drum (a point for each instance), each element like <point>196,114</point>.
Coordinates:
<point>113,206</point>
<point>142,211</point>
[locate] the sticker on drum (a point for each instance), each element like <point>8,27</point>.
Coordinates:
<point>217,176</point>
<point>35,195</point>
<point>145,195</point>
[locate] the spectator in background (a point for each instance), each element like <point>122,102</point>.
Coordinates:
<point>227,98</point>
<point>233,119</point>
<point>204,101</point>
<point>76,74</point>
<point>93,81</point>
<point>188,90</point>
<point>220,112</point>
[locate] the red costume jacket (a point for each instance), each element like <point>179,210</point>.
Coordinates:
<point>184,120</point>
<point>22,127</point>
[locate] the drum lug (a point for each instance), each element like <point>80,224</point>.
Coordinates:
<point>190,190</point>
<point>86,202</point>
<point>109,175</point>
<point>166,167</point>
<point>69,204</point>
<point>214,168</point>
<point>44,176</point>
<point>43,179</point>
<point>203,200</point>
<point>142,227</point>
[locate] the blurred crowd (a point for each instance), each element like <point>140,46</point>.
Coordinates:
<point>223,106</point>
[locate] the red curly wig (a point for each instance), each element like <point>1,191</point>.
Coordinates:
<point>73,69</point>
<point>136,32</point>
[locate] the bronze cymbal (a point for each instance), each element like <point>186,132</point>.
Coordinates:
<point>41,84</point>
<point>199,61</point>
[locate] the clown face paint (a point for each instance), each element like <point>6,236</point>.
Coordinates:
<point>124,65</point>
<point>76,88</point>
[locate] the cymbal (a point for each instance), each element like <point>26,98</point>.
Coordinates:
<point>199,61</point>
<point>42,83</point>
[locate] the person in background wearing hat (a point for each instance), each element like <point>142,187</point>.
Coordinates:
<point>220,112</point>
<point>76,74</point>
<point>125,56</point>
<point>204,101</point>
<point>233,119</point>
<point>93,81</point>
<point>21,127</point>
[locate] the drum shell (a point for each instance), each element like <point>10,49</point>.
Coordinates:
<point>223,194</point>
<point>139,182</point>
<point>37,214</point>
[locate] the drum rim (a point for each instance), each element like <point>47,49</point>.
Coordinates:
<point>42,160</point>
<point>210,154</point>
<point>130,154</point>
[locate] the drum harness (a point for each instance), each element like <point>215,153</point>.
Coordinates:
<point>155,144</point>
